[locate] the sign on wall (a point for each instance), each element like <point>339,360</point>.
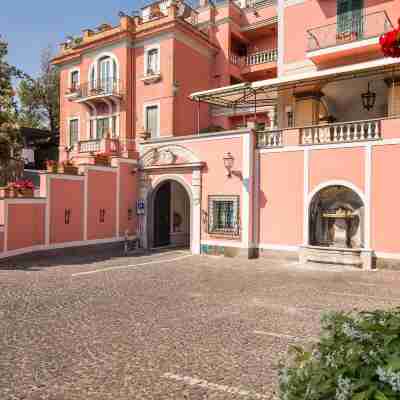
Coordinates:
<point>140,207</point>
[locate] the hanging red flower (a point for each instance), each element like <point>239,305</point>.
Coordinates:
<point>390,42</point>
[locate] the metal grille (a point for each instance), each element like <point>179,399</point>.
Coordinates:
<point>223,215</point>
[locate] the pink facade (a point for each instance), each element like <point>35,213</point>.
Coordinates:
<point>233,129</point>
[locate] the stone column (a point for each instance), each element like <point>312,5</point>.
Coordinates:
<point>196,212</point>
<point>393,97</point>
<point>307,108</point>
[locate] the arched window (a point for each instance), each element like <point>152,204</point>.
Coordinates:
<point>104,74</point>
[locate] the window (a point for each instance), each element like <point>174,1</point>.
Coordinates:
<point>153,67</point>
<point>114,126</point>
<point>74,80</point>
<point>349,19</point>
<point>103,127</point>
<point>152,114</point>
<point>223,215</point>
<point>73,131</point>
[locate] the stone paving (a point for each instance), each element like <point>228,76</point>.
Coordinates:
<point>95,325</point>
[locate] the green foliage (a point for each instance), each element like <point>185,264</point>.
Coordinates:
<point>357,358</point>
<point>39,97</point>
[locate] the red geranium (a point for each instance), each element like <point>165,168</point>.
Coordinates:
<point>22,184</point>
<point>390,43</point>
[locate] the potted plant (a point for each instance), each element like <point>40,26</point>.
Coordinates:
<point>7,192</point>
<point>22,188</point>
<point>51,166</point>
<point>102,159</point>
<point>66,167</point>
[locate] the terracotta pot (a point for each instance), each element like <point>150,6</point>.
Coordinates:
<point>68,169</point>
<point>23,192</point>
<point>7,192</point>
<point>53,169</point>
<point>102,160</point>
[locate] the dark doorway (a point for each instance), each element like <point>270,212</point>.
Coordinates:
<point>162,215</point>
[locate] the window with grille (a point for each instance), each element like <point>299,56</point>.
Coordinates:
<point>152,62</point>
<point>152,120</point>
<point>73,131</point>
<point>350,19</point>
<point>223,215</point>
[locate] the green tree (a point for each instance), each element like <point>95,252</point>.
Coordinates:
<point>39,97</point>
<point>10,141</point>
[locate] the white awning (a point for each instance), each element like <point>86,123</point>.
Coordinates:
<point>264,92</point>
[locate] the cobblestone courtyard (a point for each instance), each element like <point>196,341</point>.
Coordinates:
<point>79,325</point>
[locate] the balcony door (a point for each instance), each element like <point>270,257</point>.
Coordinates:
<point>350,20</point>
<point>107,74</point>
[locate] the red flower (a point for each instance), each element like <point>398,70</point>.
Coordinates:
<point>390,43</point>
<point>22,184</point>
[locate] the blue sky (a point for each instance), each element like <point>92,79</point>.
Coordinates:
<point>29,26</point>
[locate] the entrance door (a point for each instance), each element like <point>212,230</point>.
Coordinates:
<point>162,215</point>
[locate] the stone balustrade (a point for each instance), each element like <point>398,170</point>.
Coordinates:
<point>267,139</point>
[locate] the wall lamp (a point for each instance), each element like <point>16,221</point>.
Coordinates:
<point>228,163</point>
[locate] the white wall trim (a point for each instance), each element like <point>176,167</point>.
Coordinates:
<point>37,200</point>
<point>117,204</point>
<point>368,192</point>
<point>383,254</point>
<point>336,182</point>
<point>70,72</point>
<point>85,206</point>
<point>95,63</point>
<point>278,247</point>
<point>147,49</point>
<point>99,168</point>
<point>247,184</point>
<point>66,177</point>
<point>383,142</point>
<point>152,104</point>
<point>5,241</point>
<point>306,204</point>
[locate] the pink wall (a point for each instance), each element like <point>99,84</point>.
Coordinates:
<point>337,164</point>
<point>25,225</point>
<point>1,240</point>
<point>385,200</point>
<point>66,194</point>
<point>214,179</point>
<point>315,13</point>
<point>102,186</point>
<point>186,118</point>
<point>281,198</point>
<point>128,185</point>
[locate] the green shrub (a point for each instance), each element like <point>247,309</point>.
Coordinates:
<point>356,358</point>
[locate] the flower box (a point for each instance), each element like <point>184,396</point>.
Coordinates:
<point>68,169</point>
<point>102,159</point>
<point>22,188</point>
<point>23,192</point>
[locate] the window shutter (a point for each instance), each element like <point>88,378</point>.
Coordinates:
<point>73,131</point>
<point>152,120</point>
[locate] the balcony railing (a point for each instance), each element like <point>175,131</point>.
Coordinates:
<point>261,57</point>
<point>341,132</point>
<point>105,145</point>
<point>268,139</point>
<point>349,30</point>
<point>98,88</point>
<point>89,146</point>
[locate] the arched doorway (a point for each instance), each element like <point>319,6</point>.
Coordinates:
<point>336,218</point>
<point>171,211</point>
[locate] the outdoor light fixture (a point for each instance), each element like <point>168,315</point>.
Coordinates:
<point>228,163</point>
<point>368,99</point>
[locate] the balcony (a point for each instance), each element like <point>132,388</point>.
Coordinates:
<point>354,37</point>
<point>256,65</point>
<point>105,145</point>
<point>337,133</point>
<point>96,91</point>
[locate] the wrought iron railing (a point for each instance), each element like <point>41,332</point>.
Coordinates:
<point>259,3</point>
<point>341,132</point>
<point>346,30</point>
<point>101,87</point>
<point>272,138</point>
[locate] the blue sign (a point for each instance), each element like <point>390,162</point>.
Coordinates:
<point>140,207</point>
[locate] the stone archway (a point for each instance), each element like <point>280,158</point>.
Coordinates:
<point>336,217</point>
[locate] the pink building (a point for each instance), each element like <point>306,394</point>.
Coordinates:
<point>234,128</point>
